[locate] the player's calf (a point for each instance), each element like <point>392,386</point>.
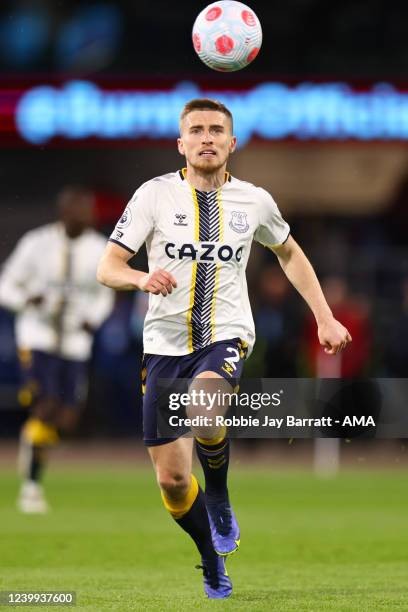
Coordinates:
<point>35,440</point>
<point>214,458</point>
<point>185,501</point>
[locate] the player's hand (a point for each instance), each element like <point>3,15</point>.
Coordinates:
<point>35,300</point>
<point>158,282</point>
<point>333,336</point>
<point>87,327</point>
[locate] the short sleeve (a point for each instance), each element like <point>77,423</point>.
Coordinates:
<point>137,220</point>
<point>272,229</point>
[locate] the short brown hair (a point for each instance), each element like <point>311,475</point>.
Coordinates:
<point>206,104</point>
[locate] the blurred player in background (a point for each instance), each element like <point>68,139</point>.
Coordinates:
<point>49,282</point>
<point>198,225</point>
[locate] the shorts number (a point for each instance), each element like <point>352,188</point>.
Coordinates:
<point>232,360</point>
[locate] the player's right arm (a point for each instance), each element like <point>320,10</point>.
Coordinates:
<point>16,273</point>
<point>115,272</point>
<point>135,225</point>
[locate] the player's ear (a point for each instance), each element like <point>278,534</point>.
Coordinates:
<point>233,144</point>
<point>180,146</point>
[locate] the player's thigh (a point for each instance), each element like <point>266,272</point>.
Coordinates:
<point>38,372</point>
<point>216,375</point>
<point>209,374</point>
<point>73,384</point>
<point>173,461</point>
<point>39,383</point>
<point>73,389</point>
<point>68,418</point>
<point>210,395</point>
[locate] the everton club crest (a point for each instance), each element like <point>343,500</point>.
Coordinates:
<point>239,222</point>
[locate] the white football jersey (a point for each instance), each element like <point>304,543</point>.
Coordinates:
<point>203,239</point>
<point>46,263</point>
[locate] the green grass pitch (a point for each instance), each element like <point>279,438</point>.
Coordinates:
<point>307,544</point>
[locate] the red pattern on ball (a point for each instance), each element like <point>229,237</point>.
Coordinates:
<point>197,42</point>
<point>253,54</point>
<point>224,44</point>
<point>213,13</point>
<point>249,18</point>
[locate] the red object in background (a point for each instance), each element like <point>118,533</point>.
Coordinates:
<point>353,360</point>
<point>108,208</point>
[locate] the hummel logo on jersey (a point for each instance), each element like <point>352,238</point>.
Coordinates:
<point>180,219</point>
<point>239,222</point>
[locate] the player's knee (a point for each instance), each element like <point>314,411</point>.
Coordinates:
<point>68,420</point>
<point>46,409</point>
<point>174,484</point>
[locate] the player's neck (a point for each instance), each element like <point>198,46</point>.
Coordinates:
<point>73,232</point>
<point>203,181</point>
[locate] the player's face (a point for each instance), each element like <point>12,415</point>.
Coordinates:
<point>206,140</point>
<point>76,211</point>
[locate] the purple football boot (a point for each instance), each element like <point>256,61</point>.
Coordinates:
<point>217,584</point>
<point>224,528</point>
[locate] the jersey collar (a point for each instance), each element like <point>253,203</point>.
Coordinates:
<point>182,174</point>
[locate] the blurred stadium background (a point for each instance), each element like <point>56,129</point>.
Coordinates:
<point>323,116</point>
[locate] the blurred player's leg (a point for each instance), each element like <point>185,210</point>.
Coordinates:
<point>185,500</point>
<point>37,436</point>
<point>38,433</point>
<point>59,388</point>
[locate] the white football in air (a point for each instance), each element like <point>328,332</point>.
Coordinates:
<point>227,35</point>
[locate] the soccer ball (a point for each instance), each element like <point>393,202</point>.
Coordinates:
<point>227,35</point>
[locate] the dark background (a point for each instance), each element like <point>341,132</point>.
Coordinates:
<point>346,203</point>
<point>349,39</point>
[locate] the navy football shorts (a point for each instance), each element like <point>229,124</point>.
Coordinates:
<point>225,357</point>
<point>48,376</point>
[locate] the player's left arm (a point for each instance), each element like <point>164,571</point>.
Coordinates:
<point>332,334</point>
